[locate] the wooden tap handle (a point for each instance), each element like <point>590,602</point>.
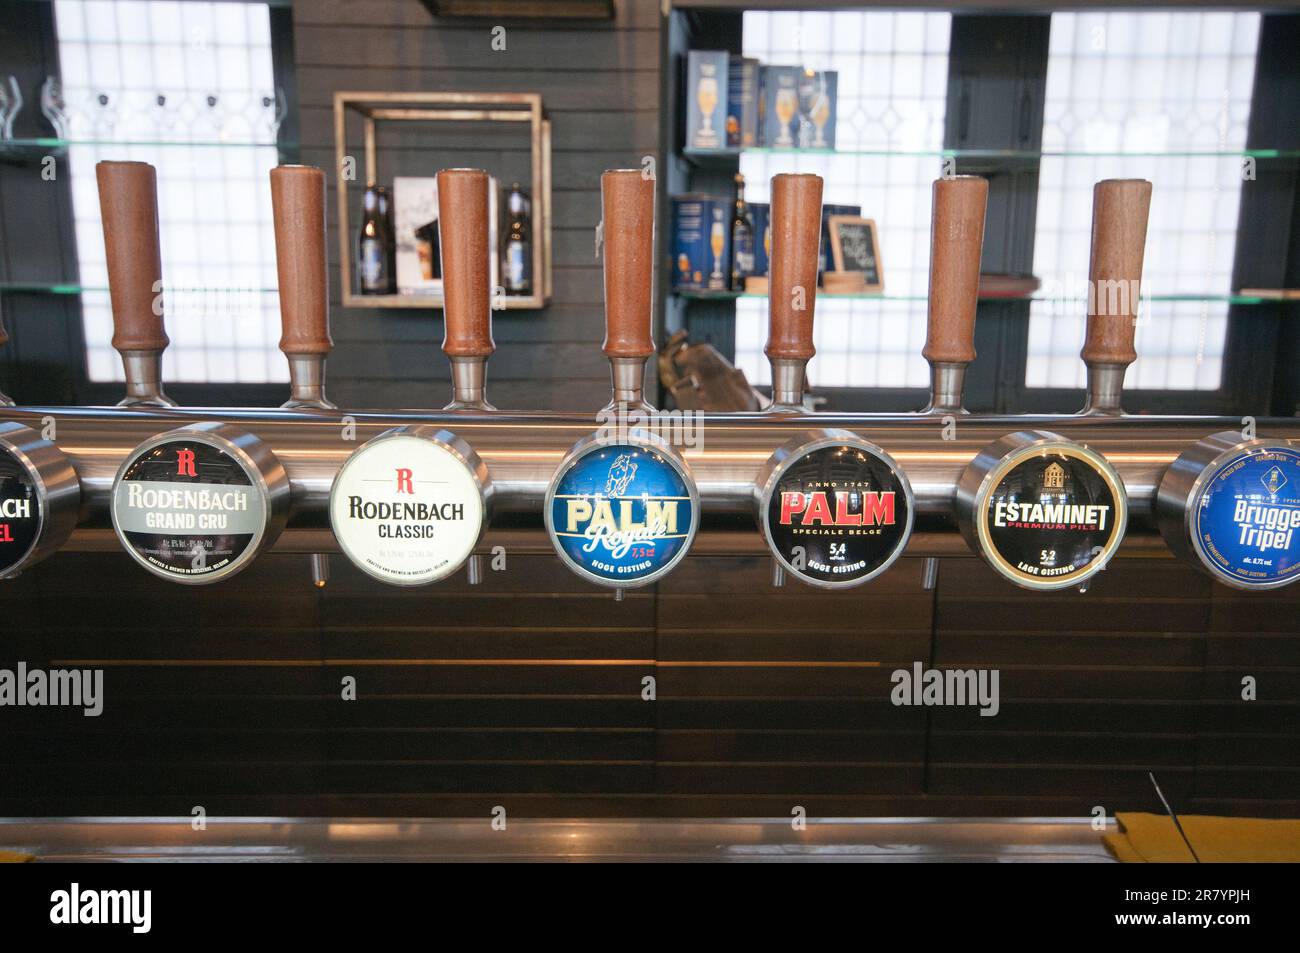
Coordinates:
<point>4,335</point>
<point>627,200</point>
<point>298,205</point>
<point>796,225</point>
<point>1119,233</point>
<point>956,240</point>
<point>466,286</point>
<point>128,205</point>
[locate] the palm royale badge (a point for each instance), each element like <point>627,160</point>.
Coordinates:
<point>622,512</point>
<point>39,497</point>
<point>1234,504</point>
<point>196,505</point>
<point>835,510</point>
<point>409,506</point>
<point>1044,511</point>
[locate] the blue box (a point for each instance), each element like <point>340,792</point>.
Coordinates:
<point>797,108</point>
<point>707,79</point>
<point>742,103</point>
<point>701,227</point>
<point>824,261</point>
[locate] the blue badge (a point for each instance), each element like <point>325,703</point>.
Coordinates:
<point>1246,525</point>
<point>622,514</point>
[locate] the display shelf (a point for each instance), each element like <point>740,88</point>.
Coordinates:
<point>867,296</point>
<point>47,144</point>
<point>706,156</point>
<point>517,109</point>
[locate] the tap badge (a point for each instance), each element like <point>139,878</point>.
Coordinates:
<point>197,505</point>
<point>20,512</point>
<point>622,514</point>
<point>836,510</point>
<point>409,506</point>
<point>1245,517</point>
<point>1048,513</point>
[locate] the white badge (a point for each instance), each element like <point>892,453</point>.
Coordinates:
<point>408,507</point>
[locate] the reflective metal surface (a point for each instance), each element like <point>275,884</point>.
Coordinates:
<point>750,840</point>
<point>523,449</point>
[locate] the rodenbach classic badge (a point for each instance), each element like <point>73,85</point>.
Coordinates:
<point>622,513</point>
<point>1235,505</point>
<point>409,506</point>
<point>835,510</point>
<point>39,496</point>
<point>1045,512</point>
<point>196,505</point>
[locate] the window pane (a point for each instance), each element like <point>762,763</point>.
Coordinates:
<point>893,70</point>
<point>177,73</point>
<point>1160,83</point>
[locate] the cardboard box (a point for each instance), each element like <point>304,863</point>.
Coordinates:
<point>824,262</point>
<point>742,102</point>
<point>701,224</point>
<point>706,99</point>
<point>797,108</point>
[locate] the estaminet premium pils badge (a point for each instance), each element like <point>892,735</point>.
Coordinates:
<point>1234,505</point>
<point>1044,511</point>
<point>39,497</point>
<point>836,510</point>
<point>622,512</point>
<point>409,506</point>
<point>196,505</point>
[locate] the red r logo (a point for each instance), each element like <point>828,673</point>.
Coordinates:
<point>404,482</point>
<point>185,463</point>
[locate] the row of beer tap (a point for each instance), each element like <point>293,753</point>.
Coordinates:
<point>194,495</point>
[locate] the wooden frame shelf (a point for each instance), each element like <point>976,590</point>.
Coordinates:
<point>518,108</point>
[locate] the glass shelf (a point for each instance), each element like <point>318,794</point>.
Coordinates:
<point>720,155</point>
<point>733,295</point>
<point>54,288</point>
<point>29,145</point>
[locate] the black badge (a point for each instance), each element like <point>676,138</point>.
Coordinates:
<point>838,514</point>
<point>188,509</point>
<point>20,512</point>
<point>1052,518</point>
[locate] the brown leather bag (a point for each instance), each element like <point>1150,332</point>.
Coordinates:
<point>699,378</point>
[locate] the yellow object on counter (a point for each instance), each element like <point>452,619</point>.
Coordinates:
<point>1153,839</point>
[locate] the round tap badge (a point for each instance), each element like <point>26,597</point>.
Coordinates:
<point>1045,512</point>
<point>835,510</point>
<point>622,513</point>
<point>409,506</point>
<point>196,505</point>
<point>1235,504</point>
<point>39,496</point>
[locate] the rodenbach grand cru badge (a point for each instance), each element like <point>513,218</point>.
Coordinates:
<point>197,505</point>
<point>1045,512</point>
<point>39,495</point>
<point>835,510</point>
<point>622,513</point>
<point>1235,505</point>
<point>409,506</point>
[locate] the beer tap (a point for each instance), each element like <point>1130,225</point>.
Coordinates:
<point>1119,231</point>
<point>128,203</point>
<point>298,208</point>
<point>4,339</point>
<point>298,205</point>
<point>467,302</point>
<point>627,199</point>
<point>956,238</point>
<point>796,234</point>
